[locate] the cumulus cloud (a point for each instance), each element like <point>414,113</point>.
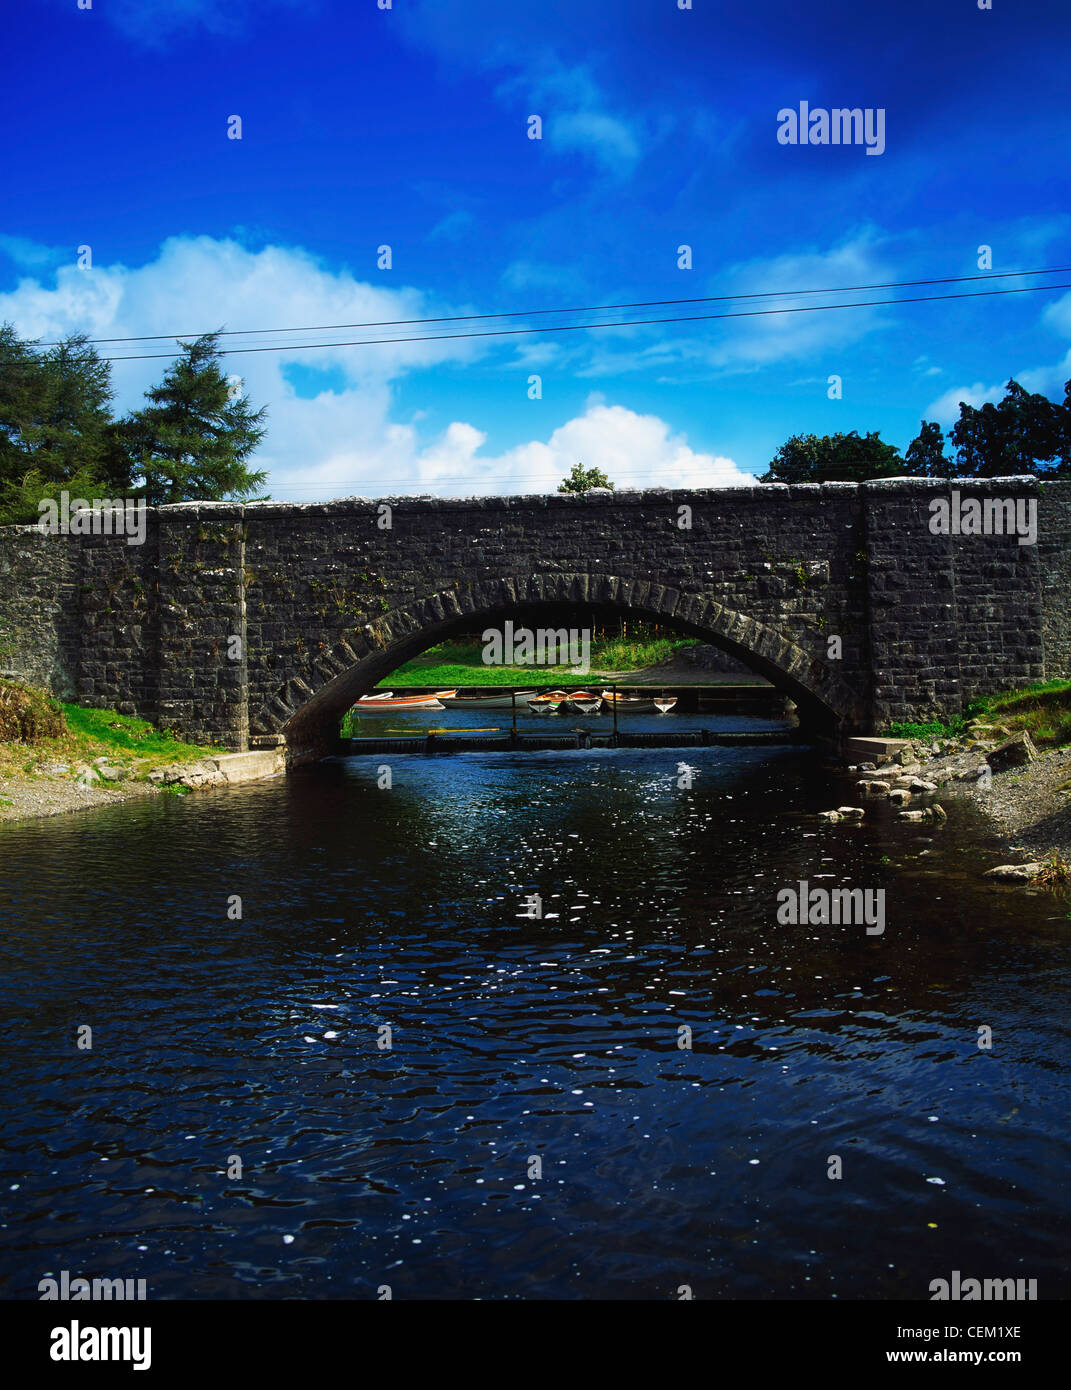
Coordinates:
<point>945,409</point>
<point>344,438</point>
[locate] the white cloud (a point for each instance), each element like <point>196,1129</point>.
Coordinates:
<point>575,114</point>
<point>608,138</point>
<point>1058,315</point>
<point>344,440</point>
<point>945,409</point>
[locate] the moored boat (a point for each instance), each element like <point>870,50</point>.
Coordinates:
<point>583,703</point>
<point>631,704</point>
<point>373,704</point>
<point>664,703</point>
<point>489,701</point>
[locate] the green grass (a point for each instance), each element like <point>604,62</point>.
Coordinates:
<point>460,664</point>
<point>936,728</point>
<point>85,734</point>
<point>119,733</point>
<point>1042,709</point>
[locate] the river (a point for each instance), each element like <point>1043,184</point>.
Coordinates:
<point>536,1129</point>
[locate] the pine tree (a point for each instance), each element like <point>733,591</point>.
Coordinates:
<point>192,441</point>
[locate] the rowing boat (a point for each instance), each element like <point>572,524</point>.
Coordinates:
<point>386,703</point>
<point>664,703</point>
<point>586,706</point>
<point>632,704</point>
<point>488,701</point>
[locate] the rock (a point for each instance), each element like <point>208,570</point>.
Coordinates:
<point>911,815</point>
<point>851,812</point>
<point>939,812</point>
<point>1014,873</point>
<point>867,767</point>
<point>872,788</point>
<point>111,772</point>
<point>54,769</point>
<point>900,796</point>
<point>166,776</point>
<point>935,749</point>
<point>973,773</point>
<point>1013,752</point>
<point>85,775</point>
<point>853,767</point>
<point>919,784</point>
<point>992,732</point>
<point>830,816</point>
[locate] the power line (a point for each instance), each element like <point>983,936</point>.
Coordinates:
<point>620,323</point>
<point>587,309</point>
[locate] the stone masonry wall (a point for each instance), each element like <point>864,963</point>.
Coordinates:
<point>234,623</point>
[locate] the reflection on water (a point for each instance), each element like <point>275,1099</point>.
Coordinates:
<point>516,1039</point>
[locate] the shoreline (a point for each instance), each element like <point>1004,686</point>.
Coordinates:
<point>38,796</point>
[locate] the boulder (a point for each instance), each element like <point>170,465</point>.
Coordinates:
<point>851,812</point>
<point>1014,873</point>
<point>900,796</point>
<point>872,788</point>
<point>912,815</point>
<point>919,784</point>
<point>1016,751</point>
<point>830,816</point>
<point>939,812</point>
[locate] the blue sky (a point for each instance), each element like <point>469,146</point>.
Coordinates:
<point>407,126</point>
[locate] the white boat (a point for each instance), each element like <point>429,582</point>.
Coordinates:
<point>631,704</point>
<point>664,703</point>
<point>386,704</point>
<point>490,701</point>
<point>585,706</point>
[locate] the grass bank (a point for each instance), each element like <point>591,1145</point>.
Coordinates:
<point>460,664</point>
<point>1042,709</point>
<point>37,732</point>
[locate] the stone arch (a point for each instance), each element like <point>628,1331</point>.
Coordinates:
<point>307,707</point>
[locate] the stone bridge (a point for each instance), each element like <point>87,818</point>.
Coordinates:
<point>258,624</point>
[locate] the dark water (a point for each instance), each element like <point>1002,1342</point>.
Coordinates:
<point>515,1038</point>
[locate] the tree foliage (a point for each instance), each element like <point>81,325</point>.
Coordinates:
<point>583,479</point>
<point>1024,432</point>
<point>191,442</point>
<point>812,458</point>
